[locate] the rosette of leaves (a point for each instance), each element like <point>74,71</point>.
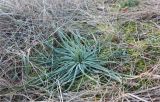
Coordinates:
<point>73,58</point>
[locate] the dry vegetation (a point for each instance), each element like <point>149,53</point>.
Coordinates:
<point>115,43</point>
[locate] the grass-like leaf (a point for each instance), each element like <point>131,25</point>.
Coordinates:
<point>73,58</point>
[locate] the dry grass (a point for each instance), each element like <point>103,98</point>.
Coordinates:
<point>27,23</point>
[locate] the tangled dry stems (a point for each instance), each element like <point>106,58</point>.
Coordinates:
<point>26,23</point>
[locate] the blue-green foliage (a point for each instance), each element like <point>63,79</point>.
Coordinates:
<point>73,58</point>
<point>129,3</point>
